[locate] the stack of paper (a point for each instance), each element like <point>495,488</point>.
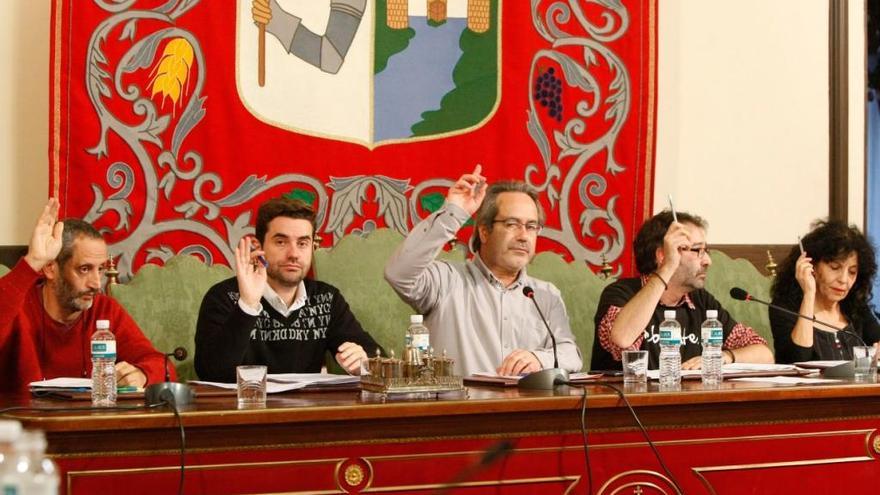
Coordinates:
<point>285,382</point>
<point>738,369</point>
<point>511,380</point>
<point>62,385</point>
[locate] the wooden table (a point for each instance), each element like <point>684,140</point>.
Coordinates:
<point>741,438</point>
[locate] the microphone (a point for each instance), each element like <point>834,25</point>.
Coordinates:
<point>172,393</point>
<point>742,295</point>
<point>178,354</point>
<point>549,378</point>
<point>530,293</point>
<point>844,370</point>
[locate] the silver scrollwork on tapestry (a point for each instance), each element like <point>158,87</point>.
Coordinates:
<point>560,182</point>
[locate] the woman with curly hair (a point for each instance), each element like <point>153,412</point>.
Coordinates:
<point>830,280</point>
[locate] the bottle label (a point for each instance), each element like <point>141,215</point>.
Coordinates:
<point>421,341</point>
<point>713,335</point>
<point>104,349</point>
<point>670,336</point>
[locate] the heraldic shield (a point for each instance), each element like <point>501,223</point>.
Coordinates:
<point>369,71</point>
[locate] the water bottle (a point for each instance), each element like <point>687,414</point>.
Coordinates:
<point>670,351</point>
<point>418,334</point>
<point>103,366</point>
<point>33,473</point>
<point>10,432</point>
<point>17,478</point>
<point>712,337</point>
<point>41,476</point>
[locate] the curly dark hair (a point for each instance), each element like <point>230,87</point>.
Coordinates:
<point>651,234</point>
<point>281,207</point>
<point>828,241</point>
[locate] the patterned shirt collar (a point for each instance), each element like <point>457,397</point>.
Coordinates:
<point>685,299</point>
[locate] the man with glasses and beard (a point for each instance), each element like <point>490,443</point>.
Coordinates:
<point>270,313</point>
<point>673,259</point>
<point>477,310</point>
<point>50,302</point>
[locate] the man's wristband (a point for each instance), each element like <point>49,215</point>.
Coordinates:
<point>665,285</point>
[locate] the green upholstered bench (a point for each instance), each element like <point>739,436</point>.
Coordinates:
<point>165,300</point>
<point>727,273</point>
<point>3,270</point>
<point>356,264</point>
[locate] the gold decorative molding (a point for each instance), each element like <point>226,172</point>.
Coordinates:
<point>701,471</point>
<point>354,475</point>
<point>389,441</point>
<point>876,444</point>
<point>623,481</point>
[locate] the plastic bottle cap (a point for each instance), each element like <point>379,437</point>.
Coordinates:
<point>711,314</point>
<point>9,431</point>
<point>415,318</point>
<point>103,324</point>
<point>669,314</point>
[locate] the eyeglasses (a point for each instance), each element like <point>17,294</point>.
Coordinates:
<point>699,251</point>
<point>514,225</point>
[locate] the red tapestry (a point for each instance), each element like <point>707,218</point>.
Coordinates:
<point>170,120</point>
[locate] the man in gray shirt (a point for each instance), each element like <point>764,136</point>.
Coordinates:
<point>476,310</point>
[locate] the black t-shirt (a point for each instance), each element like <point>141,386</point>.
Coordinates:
<point>690,318</point>
<point>826,345</point>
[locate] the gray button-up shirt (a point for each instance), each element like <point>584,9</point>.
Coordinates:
<point>468,311</point>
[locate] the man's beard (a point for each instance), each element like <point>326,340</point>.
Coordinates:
<point>690,281</point>
<point>68,297</point>
<point>694,282</point>
<point>288,280</point>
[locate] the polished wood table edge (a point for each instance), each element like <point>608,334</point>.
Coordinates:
<point>346,406</point>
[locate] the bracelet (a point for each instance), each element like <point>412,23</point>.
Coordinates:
<point>732,356</point>
<point>665,285</point>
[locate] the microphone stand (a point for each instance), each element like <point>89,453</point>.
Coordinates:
<point>545,379</point>
<point>179,394</point>
<point>843,370</point>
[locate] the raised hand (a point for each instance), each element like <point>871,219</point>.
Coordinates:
<point>261,11</point>
<point>250,273</point>
<point>468,191</point>
<point>675,240</point>
<point>46,239</point>
<point>803,273</point>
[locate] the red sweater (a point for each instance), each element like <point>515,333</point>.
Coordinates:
<point>34,347</point>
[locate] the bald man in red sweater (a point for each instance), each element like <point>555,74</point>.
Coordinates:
<point>49,304</point>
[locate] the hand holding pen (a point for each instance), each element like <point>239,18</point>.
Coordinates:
<point>250,271</point>
<point>803,272</point>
